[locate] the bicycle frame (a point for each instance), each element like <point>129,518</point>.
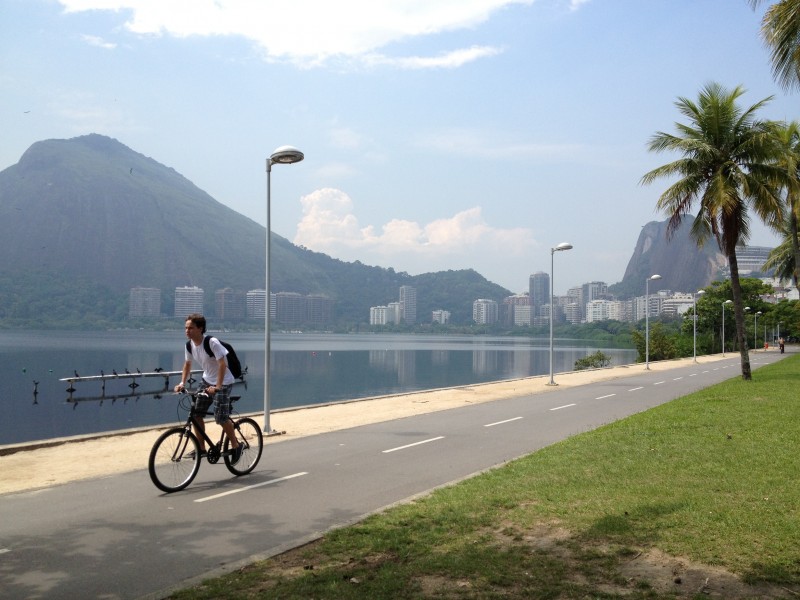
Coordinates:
<point>172,468</point>
<point>214,451</point>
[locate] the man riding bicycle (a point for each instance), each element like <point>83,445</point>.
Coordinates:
<point>217,381</point>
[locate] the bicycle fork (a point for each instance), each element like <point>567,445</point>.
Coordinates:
<point>180,449</point>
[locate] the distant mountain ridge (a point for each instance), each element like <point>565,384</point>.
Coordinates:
<point>88,218</point>
<point>682,265</point>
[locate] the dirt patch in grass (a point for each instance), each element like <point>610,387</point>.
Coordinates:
<point>684,578</point>
<point>589,568</point>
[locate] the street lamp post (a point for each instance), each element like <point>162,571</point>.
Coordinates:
<point>755,331</point>
<point>723,325</point>
<point>562,246</point>
<point>285,155</point>
<point>694,324</point>
<point>765,334</point>
<point>746,342</point>
<point>647,319</point>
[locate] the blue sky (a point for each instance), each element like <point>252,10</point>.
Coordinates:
<point>438,134</point>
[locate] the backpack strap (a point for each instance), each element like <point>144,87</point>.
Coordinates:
<point>206,345</point>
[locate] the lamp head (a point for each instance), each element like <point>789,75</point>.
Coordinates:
<point>654,277</point>
<point>562,246</point>
<point>286,155</point>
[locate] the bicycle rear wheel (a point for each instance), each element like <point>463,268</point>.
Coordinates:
<point>172,465</point>
<point>249,435</point>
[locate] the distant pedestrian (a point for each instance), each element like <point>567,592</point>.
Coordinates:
<point>780,343</point>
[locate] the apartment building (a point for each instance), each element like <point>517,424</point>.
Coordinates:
<point>484,311</point>
<point>144,302</point>
<point>188,300</point>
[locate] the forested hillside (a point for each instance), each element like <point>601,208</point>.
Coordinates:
<point>88,218</point>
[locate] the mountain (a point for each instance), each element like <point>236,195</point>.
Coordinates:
<point>87,218</point>
<point>682,265</point>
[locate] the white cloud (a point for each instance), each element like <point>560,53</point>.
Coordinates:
<point>464,240</point>
<point>450,60</point>
<point>312,32</point>
<point>99,42</point>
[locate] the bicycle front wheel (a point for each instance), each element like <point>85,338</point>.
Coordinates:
<point>174,460</point>
<point>249,435</point>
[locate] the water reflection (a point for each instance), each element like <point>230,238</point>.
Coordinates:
<point>305,370</point>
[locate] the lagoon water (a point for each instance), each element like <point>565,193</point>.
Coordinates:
<point>306,369</point>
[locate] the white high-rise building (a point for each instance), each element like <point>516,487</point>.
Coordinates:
<point>188,300</point>
<point>256,304</point>
<point>441,316</point>
<point>539,291</point>
<point>408,304</point>
<point>484,312</point>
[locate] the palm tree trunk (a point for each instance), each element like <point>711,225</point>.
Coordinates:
<point>738,310</point>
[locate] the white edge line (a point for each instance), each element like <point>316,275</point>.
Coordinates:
<point>441,437</point>
<point>565,406</point>
<point>641,387</point>
<point>250,487</point>
<point>604,397</point>
<point>503,422</point>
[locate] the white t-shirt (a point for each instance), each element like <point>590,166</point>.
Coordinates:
<point>209,364</point>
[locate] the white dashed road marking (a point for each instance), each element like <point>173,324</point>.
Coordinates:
<point>250,487</point>
<point>502,422</point>
<point>441,437</point>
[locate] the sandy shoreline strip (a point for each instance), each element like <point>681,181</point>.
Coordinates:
<point>39,466</point>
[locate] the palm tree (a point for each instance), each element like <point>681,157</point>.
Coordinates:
<point>727,165</point>
<point>781,260</point>
<point>787,255</point>
<point>780,29</point>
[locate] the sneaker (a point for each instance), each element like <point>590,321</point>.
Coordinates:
<point>236,454</point>
<point>190,455</point>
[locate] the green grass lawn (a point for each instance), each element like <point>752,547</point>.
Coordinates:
<point>703,489</point>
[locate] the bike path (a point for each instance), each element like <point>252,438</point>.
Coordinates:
<point>119,537</point>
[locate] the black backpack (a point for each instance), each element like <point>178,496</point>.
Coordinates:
<point>234,366</point>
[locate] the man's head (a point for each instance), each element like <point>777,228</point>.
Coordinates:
<point>195,321</point>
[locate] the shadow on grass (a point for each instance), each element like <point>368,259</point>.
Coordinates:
<point>634,526</point>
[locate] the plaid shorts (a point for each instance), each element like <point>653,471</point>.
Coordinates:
<point>222,403</point>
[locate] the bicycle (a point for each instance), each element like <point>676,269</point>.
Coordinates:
<point>175,457</point>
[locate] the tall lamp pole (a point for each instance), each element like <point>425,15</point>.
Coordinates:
<point>746,341</point>
<point>723,325</point>
<point>285,155</point>
<point>755,331</point>
<point>647,319</point>
<point>694,318</point>
<point>562,246</point>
